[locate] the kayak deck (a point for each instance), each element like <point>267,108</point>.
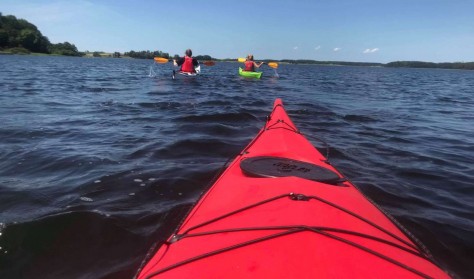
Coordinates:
<point>275,221</point>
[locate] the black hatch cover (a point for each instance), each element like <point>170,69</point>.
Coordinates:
<point>268,166</point>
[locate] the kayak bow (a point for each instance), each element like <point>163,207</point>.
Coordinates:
<point>280,210</point>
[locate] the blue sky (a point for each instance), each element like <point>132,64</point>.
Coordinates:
<point>336,30</point>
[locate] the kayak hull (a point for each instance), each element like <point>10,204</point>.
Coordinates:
<point>280,210</point>
<point>249,74</point>
<point>177,74</point>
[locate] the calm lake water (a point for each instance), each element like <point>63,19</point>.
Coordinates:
<point>98,159</point>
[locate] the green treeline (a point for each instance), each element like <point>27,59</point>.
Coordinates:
<point>420,64</point>
<point>397,64</point>
<point>20,36</point>
<point>204,57</point>
<point>146,54</point>
<point>340,63</point>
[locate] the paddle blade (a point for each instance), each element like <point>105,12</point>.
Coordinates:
<point>273,65</point>
<point>160,60</point>
<point>209,63</point>
<point>241,59</point>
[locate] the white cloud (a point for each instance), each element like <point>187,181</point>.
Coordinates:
<point>317,48</point>
<point>337,49</point>
<point>295,48</point>
<point>371,50</point>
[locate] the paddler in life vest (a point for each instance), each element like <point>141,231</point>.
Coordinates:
<point>188,63</point>
<point>250,65</point>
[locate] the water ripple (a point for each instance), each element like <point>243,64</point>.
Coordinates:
<point>95,152</point>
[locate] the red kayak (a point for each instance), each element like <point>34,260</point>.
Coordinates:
<point>280,210</point>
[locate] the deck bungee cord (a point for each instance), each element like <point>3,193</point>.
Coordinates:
<point>295,229</point>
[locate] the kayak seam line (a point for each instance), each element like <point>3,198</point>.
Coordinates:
<point>326,146</point>
<point>391,260</point>
<point>156,262</point>
<point>204,193</point>
<point>420,246</point>
<point>154,248</point>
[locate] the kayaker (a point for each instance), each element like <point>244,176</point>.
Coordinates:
<point>187,63</point>
<point>250,65</point>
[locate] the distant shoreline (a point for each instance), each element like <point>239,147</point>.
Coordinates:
<point>396,64</point>
<point>14,41</point>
